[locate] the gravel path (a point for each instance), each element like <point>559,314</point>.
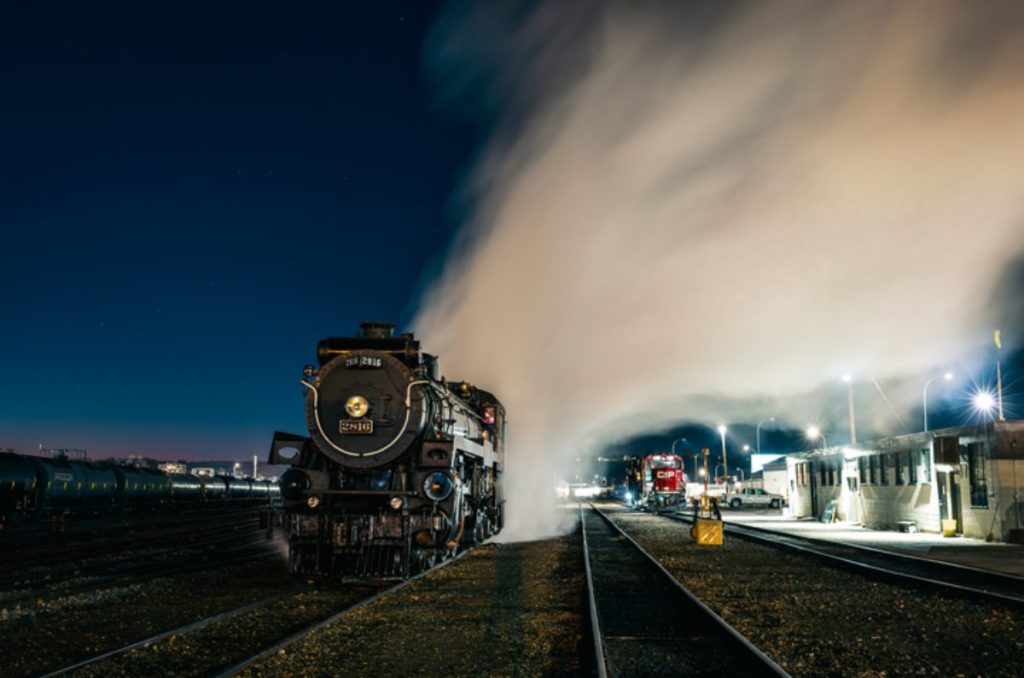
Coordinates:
<point>816,621</point>
<point>511,609</point>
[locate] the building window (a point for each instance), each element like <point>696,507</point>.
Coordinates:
<point>976,469</point>
<point>862,466</point>
<point>883,470</point>
<point>872,466</point>
<point>897,466</point>
<point>911,468</point>
<point>926,466</point>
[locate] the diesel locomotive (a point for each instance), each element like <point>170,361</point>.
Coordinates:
<point>400,469</point>
<point>32,488</point>
<point>657,481</point>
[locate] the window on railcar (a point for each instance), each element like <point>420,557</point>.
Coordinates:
<point>976,470</point>
<point>862,467</point>
<point>897,464</point>
<point>911,468</point>
<point>883,469</point>
<point>873,469</point>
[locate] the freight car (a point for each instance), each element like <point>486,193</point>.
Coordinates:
<point>400,469</point>
<point>36,487</point>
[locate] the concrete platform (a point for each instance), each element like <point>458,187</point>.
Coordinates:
<point>995,556</point>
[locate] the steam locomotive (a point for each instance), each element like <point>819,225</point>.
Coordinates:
<point>400,469</point>
<point>35,487</point>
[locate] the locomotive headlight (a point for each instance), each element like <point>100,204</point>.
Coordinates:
<point>438,486</point>
<point>357,406</point>
<point>397,503</point>
<point>313,502</point>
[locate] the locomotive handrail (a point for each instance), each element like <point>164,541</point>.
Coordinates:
<point>320,428</point>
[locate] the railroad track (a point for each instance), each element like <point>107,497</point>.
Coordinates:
<point>113,557</point>
<point>221,643</point>
<point>301,633</point>
<point>962,580</point>
<point>235,549</point>
<point>645,622</point>
<point>46,548</point>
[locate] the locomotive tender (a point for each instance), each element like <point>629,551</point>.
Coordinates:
<point>400,469</point>
<point>35,487</point>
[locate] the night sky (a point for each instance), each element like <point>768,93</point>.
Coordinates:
<point>192,196</point>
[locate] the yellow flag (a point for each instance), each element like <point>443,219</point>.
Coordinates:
<point>995,335</point>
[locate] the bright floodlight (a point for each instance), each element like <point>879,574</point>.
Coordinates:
<point>847,378</point>
<point>947,376</point>
<point>984,402</point>
<point>813,433</point>
<point>722,429</point>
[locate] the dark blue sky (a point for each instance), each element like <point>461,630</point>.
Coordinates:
<point>191,195</point>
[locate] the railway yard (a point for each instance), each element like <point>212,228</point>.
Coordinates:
<point>629,595</point>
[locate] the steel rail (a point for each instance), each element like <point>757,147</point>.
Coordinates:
<point>251,551</point>
<point>752,652</point>
<point>600,656</point>
<point>787,541</point>
<point>178,631</point>
<point>295,637</point>
<point>120,561</point>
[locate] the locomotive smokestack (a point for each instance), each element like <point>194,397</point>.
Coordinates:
<point>375,330</point>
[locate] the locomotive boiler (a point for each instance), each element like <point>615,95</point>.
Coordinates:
<point>400,469</point>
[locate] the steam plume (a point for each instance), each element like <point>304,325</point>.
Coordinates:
<point>685,207</point>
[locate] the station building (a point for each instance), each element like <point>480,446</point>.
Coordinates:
<point>966,480</point>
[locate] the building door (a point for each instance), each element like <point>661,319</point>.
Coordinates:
<point>954,499</point>
<point>948,483</point>
<point>813,468</point>
<point>942,483</point>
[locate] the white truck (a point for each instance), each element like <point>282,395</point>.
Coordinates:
<point>752,496</point>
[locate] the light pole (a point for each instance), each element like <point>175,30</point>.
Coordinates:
<point>849,404</point>
<point>759,432</point>
<point>924,396</point>
<point>715,473</point>
<point>813,433</point>
<point>725,459</point>
<point>677,440</point>
<point>739,469</point>
<point>695,472</point>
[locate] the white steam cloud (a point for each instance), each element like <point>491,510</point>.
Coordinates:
<point>689,209</point>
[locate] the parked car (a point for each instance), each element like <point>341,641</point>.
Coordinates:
<point>753,496</point>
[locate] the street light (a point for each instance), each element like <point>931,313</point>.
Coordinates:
<point>813,433</point>
<point>695,467</point>
<point>849,404</point>
<point>924,396</point>
<point>759,432</point>
<point>725,459</point>
<point>677,440</point>
<point>715,472</point>
<point>739,469</point>
<point>984,402</point>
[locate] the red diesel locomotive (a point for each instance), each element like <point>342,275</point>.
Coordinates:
<point>659,482</point>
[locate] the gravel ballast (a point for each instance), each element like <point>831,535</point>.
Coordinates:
<point>816,620</point>
<point>509,609</point>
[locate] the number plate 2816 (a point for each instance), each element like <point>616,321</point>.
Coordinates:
<point>356,426</point>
